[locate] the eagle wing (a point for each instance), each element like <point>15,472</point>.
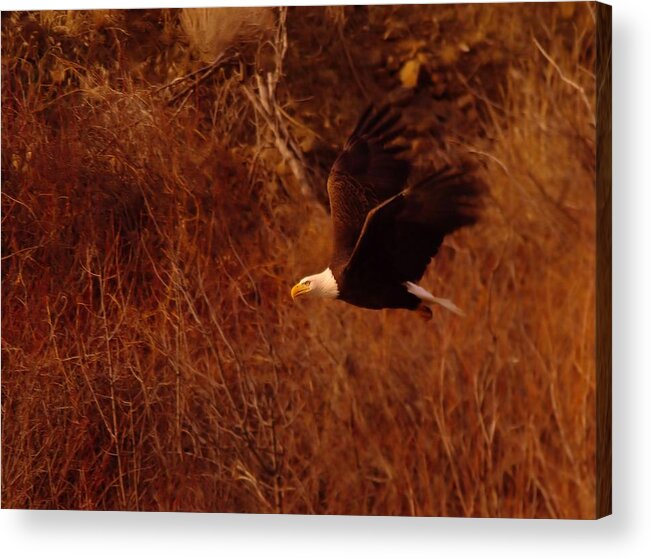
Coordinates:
<point>401,235</point>
<point>366,173</point>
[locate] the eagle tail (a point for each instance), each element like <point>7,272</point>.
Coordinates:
<point>430,299</point>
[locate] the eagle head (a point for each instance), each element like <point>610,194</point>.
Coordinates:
<point>323,285</point>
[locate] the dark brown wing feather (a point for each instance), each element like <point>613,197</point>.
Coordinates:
<point>401,235</point>
<point>366,173</point>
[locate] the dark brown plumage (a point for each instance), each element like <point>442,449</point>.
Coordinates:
<point>385,233</point>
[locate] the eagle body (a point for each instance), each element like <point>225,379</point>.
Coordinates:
<point>385,232</point>
<point>377,293</point>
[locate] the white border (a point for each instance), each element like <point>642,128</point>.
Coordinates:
<point>625,534</point>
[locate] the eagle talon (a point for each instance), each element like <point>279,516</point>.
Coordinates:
<point>424,312</point>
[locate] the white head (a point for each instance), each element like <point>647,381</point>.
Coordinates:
<point>321,285</point>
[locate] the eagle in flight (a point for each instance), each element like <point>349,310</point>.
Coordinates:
<point>386,232</point>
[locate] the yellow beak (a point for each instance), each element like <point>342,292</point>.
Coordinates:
<point>299,289</point>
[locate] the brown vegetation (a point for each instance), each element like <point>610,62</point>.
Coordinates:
<point>152,356</point>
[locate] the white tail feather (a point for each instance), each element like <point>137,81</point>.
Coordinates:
<point>428,298</point>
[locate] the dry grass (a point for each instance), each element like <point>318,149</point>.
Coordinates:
<point>152,357</point>
<point>212,30</point>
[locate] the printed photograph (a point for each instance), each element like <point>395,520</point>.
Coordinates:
<point>306,260</point>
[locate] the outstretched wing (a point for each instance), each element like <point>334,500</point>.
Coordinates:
<point>401,235</point>
<point>366,173</point>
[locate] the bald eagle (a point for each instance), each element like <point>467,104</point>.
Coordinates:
<point>385,232</point>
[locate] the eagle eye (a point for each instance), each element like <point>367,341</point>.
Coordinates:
<point>307,283</point>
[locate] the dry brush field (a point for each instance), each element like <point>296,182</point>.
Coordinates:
<point>163,186</point>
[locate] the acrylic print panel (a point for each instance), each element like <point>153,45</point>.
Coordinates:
<point>168,176</point>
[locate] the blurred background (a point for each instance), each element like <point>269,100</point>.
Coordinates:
<point>163,186</point>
